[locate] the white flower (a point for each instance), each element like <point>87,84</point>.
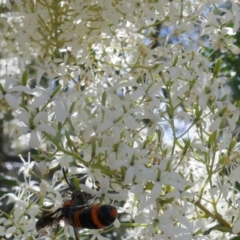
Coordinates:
<point>45,96</point>
<point>27,166</point>
<point>90,174</point>
<point>104,191</point>
<point>96,235</point>
<point>157,168</point>
<point>227,113</point>
<point>8,89</point>
<point>34,124</point>
<point>231,16</point>
<point>236,226</point>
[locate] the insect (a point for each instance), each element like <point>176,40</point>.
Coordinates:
<point>77,197</point>
<point>78,213</point>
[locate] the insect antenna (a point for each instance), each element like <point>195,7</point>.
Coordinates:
<point>65,177</point>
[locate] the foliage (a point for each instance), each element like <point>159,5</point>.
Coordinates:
<point>151,125</point>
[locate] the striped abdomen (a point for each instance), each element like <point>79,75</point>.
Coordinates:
<point>95,217</point>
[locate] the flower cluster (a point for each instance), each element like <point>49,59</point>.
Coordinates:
<point>145,119</point>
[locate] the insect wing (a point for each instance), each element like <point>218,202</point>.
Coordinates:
<point>48,224</point>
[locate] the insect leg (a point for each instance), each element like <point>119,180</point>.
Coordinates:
<point>76,233</point>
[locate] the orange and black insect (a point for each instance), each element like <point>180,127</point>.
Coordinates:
<point>77,197</point>
<point>79,214</point>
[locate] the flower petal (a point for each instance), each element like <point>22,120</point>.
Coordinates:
<point>46,128</point>
<point>34,140</point>
<point>104,126</point>
<point>61,113</point>
<point>12,101</point>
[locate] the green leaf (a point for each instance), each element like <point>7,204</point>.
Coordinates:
<point>118,119</point>
<point>69,141</point>
<point>38,157</point>
<point>139,80</point>
<point>175,61</point>
<point>237,104</point>
<point>124,109</point>
<point>93,148</point>
<point>237,186</point>
<point>2,89</point>
<point>31,122</point>
<point>187,145</point>
<point>232,144</point>
<point>25,78</point>
<point>217,67</point>
<point>159,174</point>
<point>148,186</point>
<point>166,201</point>
<point>148,140</point>
<point>169,111</point>
<point>72,108</point>
<point>57,89</point>
<point>159,135</point>
<point>95,8</point>
<point>168,166</point>
<point>104,98</point>
<point>212,140</point>
<point>215,226</point>
<point>76,183</point>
